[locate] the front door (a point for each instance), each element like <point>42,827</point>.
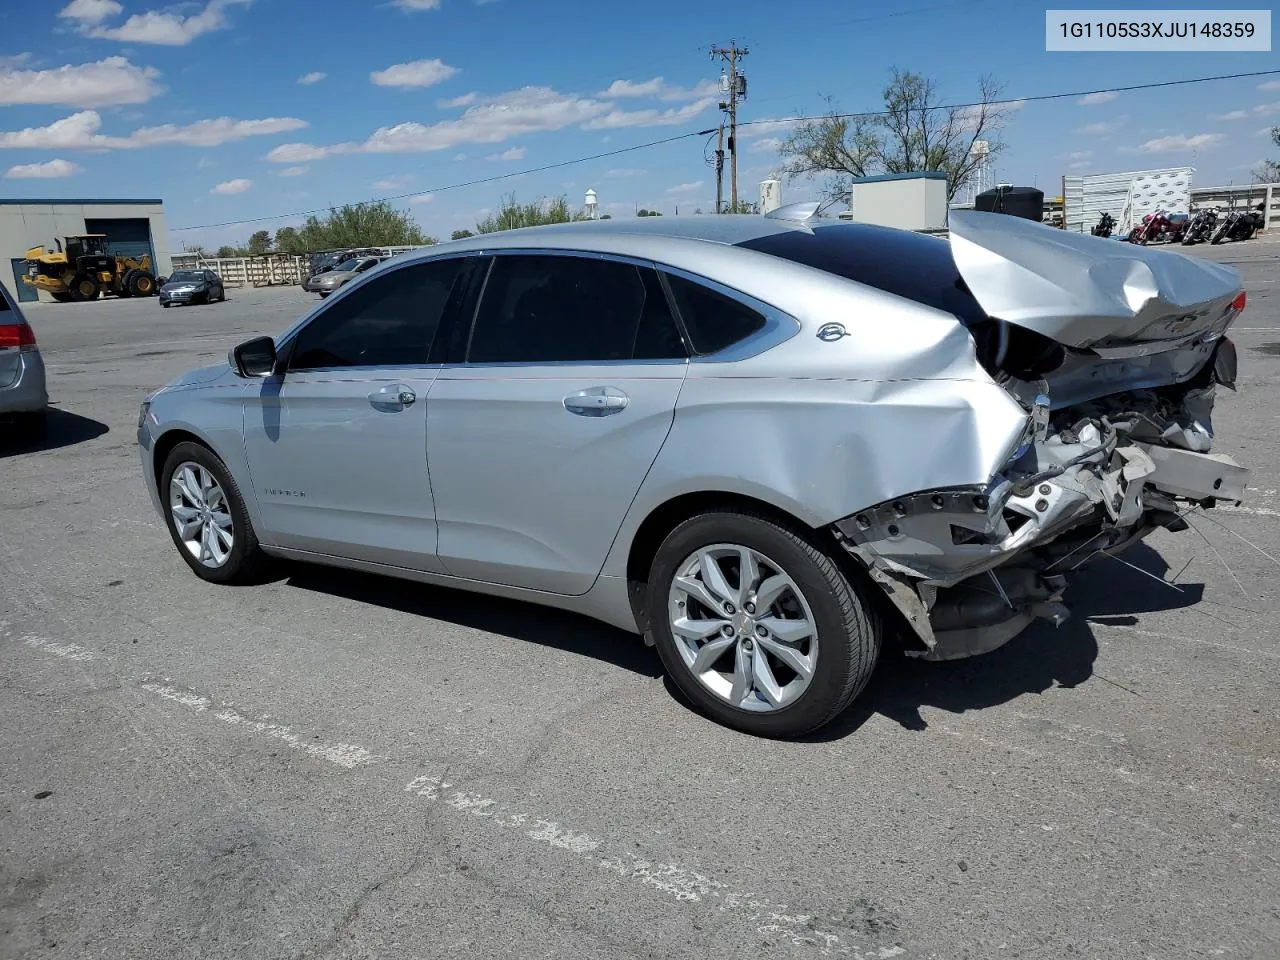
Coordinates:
<point>540,441</point>
<point>337,443</point>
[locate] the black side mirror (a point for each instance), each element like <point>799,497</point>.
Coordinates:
<point>254,358</point>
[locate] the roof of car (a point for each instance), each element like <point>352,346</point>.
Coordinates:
<point>723,228</point>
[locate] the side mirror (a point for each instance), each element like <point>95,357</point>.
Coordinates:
<point>254,358</point>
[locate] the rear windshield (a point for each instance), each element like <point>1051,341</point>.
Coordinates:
<point>910,265</point>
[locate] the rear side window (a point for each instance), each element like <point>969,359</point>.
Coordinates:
<point>908,265</point>
<point>548,309</point>
<point>389,321</point>
<point>712,320</point>
<point>4,303</point>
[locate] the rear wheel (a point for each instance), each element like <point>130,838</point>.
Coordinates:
<point>207,517</point>
<point>758,625</point>
<point>84,287</point>
<point>143,284</point>
<point>61,297</point>
<point>125,289</point>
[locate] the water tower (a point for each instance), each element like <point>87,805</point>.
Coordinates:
<point>770,195</point>
<point>983,178</point>
<point>592,206</point>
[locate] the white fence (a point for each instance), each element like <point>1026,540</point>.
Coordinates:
<point>270,270</point>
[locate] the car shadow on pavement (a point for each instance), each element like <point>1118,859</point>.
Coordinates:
<point>1040,658</point>
<point>64,429</point>
<point>508,618</point>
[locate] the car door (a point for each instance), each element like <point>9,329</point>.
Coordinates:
<point>336,444</point>
<point>539,441</point>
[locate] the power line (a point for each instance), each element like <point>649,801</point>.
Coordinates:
<point>711,130</point>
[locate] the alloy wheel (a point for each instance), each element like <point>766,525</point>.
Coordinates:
<point>201,515</point>
<point>743,627</point>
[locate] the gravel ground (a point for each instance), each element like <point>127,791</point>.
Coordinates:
<point>334,765</point>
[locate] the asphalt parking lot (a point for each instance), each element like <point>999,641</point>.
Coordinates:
<point>337,766</point>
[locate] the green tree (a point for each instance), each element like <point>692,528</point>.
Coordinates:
<point>914,132</point>
<point>642,212</point>
<point>742,206</point>
<point>363,225</point>
<point>259,243</point>
<point>511,214</point>
<point>288,241</point>
<point>226,253</point>
<point>461,235</point>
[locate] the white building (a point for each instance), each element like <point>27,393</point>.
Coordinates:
<point>908,201</point>
<point>133,228</point>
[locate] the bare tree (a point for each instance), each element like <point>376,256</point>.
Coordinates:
<point>1268,171</point>
<point>915,132</point>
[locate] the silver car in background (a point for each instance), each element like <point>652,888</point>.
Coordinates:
<point>327,283</point>
<point>760,441</point>
<point>24,397</point>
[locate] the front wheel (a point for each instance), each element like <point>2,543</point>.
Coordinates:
<point>207,517</point>
<point>758,625</point>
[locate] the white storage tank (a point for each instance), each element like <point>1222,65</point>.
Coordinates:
<point>770,195</point>
<point>908,201</point>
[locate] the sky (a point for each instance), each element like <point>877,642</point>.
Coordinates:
<point>262,110</point>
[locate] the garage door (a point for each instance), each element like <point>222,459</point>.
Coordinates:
<point>126,237</point>
<point>25,294</point>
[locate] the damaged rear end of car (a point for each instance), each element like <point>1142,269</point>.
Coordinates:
<point>1115,357</point>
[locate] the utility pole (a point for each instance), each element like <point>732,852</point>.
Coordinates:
<point>720,169</point>
<point>735,89</point>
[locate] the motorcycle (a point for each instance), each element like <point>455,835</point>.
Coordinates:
<point>1106,223</point>
<point>1201,227</point>
<point>1236,226</point>
<point>1159,227</point>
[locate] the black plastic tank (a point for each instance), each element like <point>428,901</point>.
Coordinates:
<point>1026,202</point>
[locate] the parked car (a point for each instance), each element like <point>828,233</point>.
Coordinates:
<point>326,283</point>
<point>762,441</point>
<point>327,260</point>
<point>23,394</point>
<point>192,286</point>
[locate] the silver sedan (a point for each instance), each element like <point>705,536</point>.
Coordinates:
<point>24,397</point>
<point>761,442</point>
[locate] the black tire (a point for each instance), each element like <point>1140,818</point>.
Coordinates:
<point>849,636</point>
<point>246,562</point>
<point>166,305</point>
<point>85,287</point>
<point>142,284</point>
<point>161,281</point>
<point>61,297</point>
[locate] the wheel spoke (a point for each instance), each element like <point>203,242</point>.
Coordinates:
<point>205,551</point>
<point>788,631</point>
<point>698,590</point>
<point>764,681</point>
<point>221,537</point>
<point>692,629</point>
<point>222,519</point>
<point>709,653</point>
<point>767,593</point>
<point>187,487</point>
<point>215,498</point>
<point>793,658</point>
<point>748,574</point>
<point>714,579</point>
<point>187,529</point>
<point>742,675</point>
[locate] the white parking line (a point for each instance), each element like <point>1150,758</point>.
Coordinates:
<point>343,754</point>
<point>677,882</point>
<point>68,651</point>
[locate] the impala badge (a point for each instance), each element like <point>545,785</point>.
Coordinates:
<point>831,332</point>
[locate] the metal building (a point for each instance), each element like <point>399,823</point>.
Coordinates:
<point>132,227</point>
<point>1127,196</point>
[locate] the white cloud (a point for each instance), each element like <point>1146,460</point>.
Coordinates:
<point>1093,99</point>
<point>294,171</point>
<point>765,145</point>
<point>686,187</point>
<point>764,128</point>
<point>49,170</point>
<point>630,88</point>
<point>106,83</point>
<point>515,153</point>
<point>1102,127</point>
<point>466,100</point>
<point>1079,165</point>
<point>315,76</point>
<point>1080,155</point>
<point>1232,115</point>
<point>703,88</point>
<point>90,11</point>
<point>416,6</point>
<point>393,183</point>
<point>204,163</point>
<point>422,198</point>
<point>648,118</point>
<point>1261,110</point>
<point>1179,142</point>
<point>167,28</point>
<point>1270,85</point>
<point>624,172</point>
<point>414,75</point>
<point>229,187</point>
<point>80,132</point>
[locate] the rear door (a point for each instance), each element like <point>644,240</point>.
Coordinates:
<point>539,441</point>
<point>337,444</point>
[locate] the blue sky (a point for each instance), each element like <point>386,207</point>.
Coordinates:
<point>238,109</point>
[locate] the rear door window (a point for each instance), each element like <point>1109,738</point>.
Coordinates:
<point>713,320</point>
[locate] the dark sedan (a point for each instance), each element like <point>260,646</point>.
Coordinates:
<point>192,286</point>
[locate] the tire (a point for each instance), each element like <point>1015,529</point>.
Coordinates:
<point>842,648</point>
<point>244,562</point>
<point>85,287</point>
<point>61,297</point>
<point>166,305</point>
<point>142,284</point>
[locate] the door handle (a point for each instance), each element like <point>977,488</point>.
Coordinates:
<point>393,396</point>
<point>596,402</point>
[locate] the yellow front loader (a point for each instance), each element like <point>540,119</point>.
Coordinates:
<point>84,268</point>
